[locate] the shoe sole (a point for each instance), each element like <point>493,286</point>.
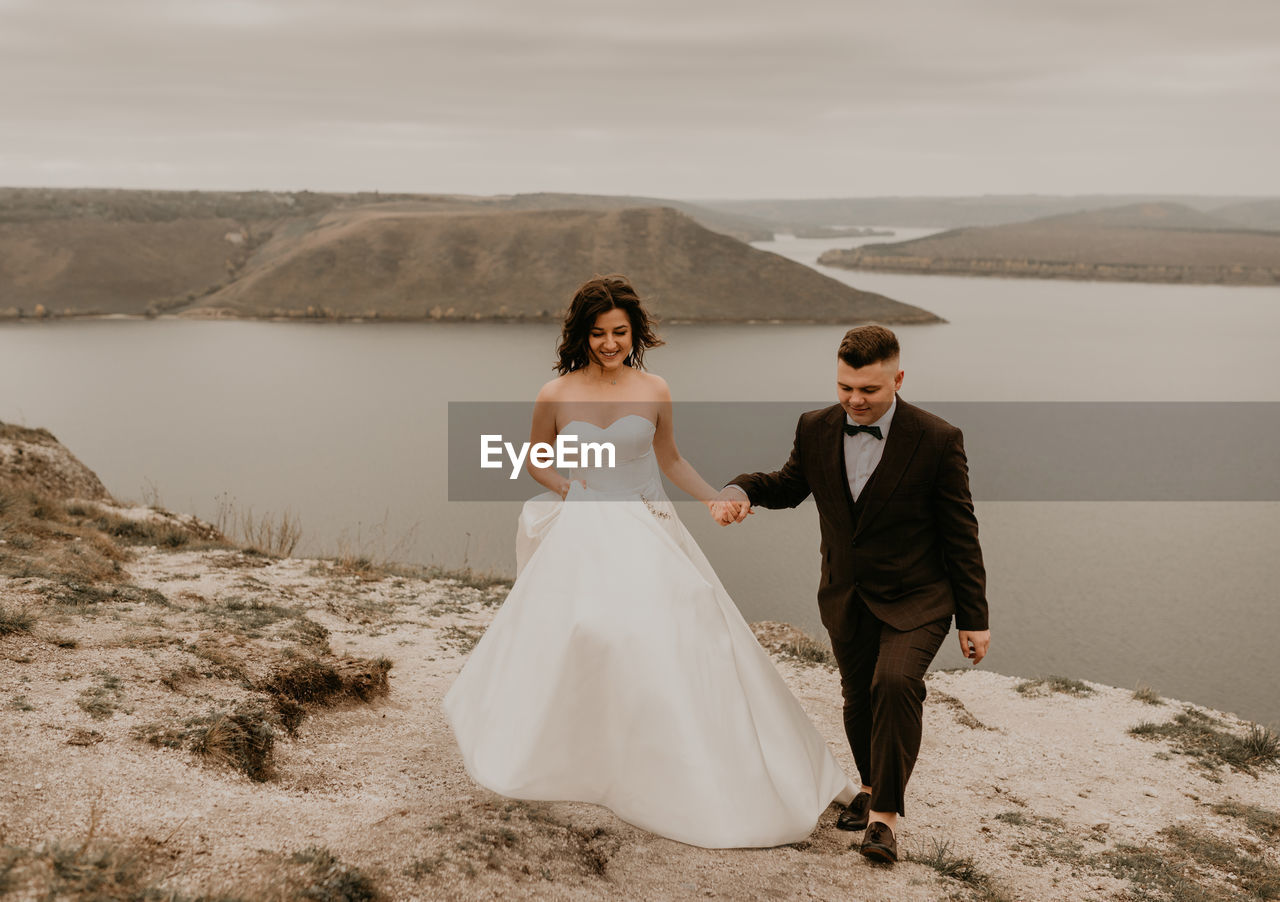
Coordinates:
<point>878,853</point>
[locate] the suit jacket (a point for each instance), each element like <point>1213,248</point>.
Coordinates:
<point>911,552</point>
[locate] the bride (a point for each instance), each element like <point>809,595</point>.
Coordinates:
<point>618,671</point>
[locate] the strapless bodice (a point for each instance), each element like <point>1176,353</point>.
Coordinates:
<point>635,471</point>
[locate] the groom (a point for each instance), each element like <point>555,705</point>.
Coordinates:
<point>900,557</point>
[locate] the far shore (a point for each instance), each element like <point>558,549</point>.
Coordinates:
<point>1034,269</point>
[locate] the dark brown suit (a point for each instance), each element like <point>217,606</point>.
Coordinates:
<point>896,566</point>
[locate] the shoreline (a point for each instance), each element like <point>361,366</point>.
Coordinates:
<point>1227,277</point>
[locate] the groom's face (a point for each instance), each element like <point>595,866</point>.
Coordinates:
<point>866,392</point>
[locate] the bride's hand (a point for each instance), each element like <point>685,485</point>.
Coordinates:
<point>563,491</point>
<point>730,506</point>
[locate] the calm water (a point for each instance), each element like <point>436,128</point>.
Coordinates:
<point>344,426</point>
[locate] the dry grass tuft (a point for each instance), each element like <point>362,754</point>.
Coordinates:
<point>222,664</point>
<point>939,856</point>
<point>1262,821</point>
<point>329,880</point>
<point>314,681</point>
<point>14,619</point>
<point>373,556</point>
<point>1210,744</point>
<point>809,651</point>
<point>461,638</point>
<point>177,677</point>
<point>102,701</point>
<point>268,534</point>
<point>242,739</point>
<point>1146,694</point>
<point>1051,684</point>
<point>81,736</point>
<point>463,576</point>
<point>1193,866</point>
<point>103,869</point>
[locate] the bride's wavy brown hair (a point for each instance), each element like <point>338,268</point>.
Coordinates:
<point>599,295</point>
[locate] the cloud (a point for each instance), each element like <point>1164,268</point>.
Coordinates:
<point>513,82</point>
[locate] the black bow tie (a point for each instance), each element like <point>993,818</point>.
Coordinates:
<point>855,428</point>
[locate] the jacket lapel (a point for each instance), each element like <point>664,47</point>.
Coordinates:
<point>899,445</point>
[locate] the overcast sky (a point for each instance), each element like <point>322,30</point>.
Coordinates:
<point>671,98</point>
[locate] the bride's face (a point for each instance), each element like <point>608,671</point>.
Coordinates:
<point>610,340</point>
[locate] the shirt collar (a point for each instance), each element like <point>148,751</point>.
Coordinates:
<point>884,421</point>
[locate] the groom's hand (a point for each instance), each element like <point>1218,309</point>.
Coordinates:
<point>974,644</point>
<point>725,512</point>
<point>731,506</point>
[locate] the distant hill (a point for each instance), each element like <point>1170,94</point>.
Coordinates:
<point>736,225</point>
<point>1141,216</point>
<point>392,263</point>
<point>129,205</point>
<point>1142,243</point>
<point>68,252</point>
<point>1253,214</point>
<point>940,212</point>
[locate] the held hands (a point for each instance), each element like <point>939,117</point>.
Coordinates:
<point>974,644</point>
<point>730,506</point>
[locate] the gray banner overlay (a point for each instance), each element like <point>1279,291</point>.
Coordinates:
<point>1017,451</point>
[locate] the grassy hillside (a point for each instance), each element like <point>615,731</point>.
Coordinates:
<point>114,266</point>
<point>401,262</point>
<point>1142,243</point>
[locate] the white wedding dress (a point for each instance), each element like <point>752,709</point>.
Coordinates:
<point>618,671</point>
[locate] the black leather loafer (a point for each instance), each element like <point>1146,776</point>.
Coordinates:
<point>879,845</point>
<point>855,816</point>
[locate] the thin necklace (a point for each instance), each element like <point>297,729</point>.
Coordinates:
<point>613,381</point>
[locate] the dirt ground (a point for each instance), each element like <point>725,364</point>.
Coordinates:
<point>1021,792</point>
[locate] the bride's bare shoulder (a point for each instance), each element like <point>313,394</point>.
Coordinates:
<point>554,390</point>
<point>655,385</point>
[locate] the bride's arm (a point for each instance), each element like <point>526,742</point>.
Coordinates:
<point>543,429</point>
<point>676,468</point>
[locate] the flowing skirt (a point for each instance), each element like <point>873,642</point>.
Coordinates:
<point>619,672</point>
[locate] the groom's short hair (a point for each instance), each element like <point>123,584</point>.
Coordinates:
<point>865,345</point>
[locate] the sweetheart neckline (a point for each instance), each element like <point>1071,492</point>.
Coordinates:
<point>614,423</point>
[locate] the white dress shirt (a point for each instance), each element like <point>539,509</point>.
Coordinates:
<point>862,452</point>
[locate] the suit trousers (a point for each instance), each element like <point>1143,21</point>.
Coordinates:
<point>882,680</point>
